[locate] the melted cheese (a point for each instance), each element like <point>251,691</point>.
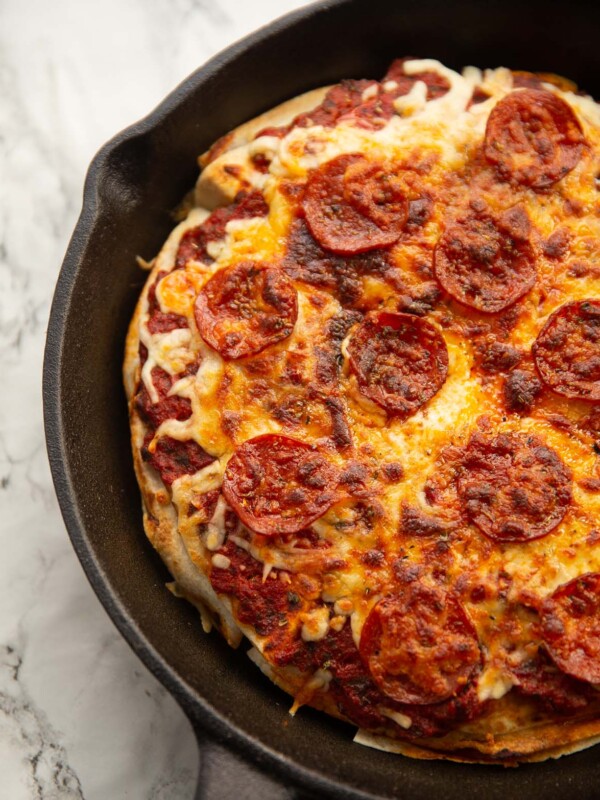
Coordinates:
<point>445,133</point>
<point>403,720</point>
<point>315,624</point>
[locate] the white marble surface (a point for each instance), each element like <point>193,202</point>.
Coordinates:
<point>80,717</point>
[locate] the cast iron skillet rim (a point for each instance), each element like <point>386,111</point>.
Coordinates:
<point>196,708</point>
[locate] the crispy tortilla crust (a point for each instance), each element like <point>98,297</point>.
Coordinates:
<point>508,753</point>
<point>550,738</point>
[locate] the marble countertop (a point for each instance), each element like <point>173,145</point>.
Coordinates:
<point>80,716</point>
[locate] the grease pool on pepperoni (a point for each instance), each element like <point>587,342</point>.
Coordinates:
<point>279,485</point>
<point>567,350</point>
<point>513,487</point>
<point>533,138</point>
<point>400,361</point>
<point>419,645</point>
<point>353,204</point>
<point>485,263</point>
<point>245,308</point>
<point>570,623</point>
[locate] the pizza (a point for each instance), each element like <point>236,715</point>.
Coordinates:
<point>364,392</point>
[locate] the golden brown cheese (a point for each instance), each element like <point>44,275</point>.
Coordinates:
<point>395,506</point>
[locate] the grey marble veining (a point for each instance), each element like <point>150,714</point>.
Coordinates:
<point>80,717</point>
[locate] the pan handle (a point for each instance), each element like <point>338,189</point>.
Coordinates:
<point>226,776</point>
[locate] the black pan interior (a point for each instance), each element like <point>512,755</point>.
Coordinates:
<point>133,185</point>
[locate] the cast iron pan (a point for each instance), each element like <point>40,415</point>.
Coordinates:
<point>133,183</point>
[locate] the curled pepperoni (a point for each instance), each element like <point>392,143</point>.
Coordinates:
<point>279,485</point>
<point>400,361</point>
<point>567,350</point>
<point>484,263</point>
<point>419,645</point>
<point>353,205</point>
<point>513,487</point>
<point>533,138</point>
<point>245,308</point>
<point>571,627</point>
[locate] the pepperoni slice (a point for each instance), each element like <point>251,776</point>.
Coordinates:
<point>484,263</point>
<point>571,627</point>
<point>353,205</point>
<point>245,308</point>
<point>419,645</point>
<point>400,361</point>
<point>279,485</point>
<point>513,487</point>
<point>567,350</point>
<point>533,137</point>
